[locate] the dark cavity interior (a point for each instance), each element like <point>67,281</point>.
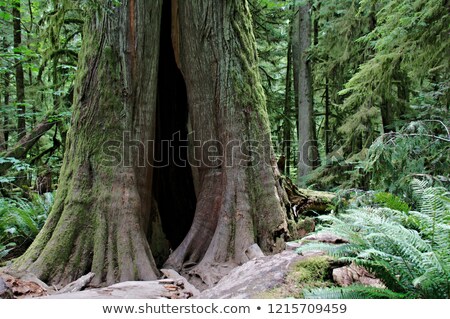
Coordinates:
<point>173,184</point>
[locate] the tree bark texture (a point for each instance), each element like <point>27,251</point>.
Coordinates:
<point>237,200</point>
<point>106,218</point>
<point>301,42</point>
<point>101,213</point>
<point>20,79</point>
<point>287,127</point>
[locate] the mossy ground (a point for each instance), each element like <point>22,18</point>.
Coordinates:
<point>308,273</point>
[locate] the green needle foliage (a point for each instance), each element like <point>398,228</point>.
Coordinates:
<point>408,251</point>
<point>395,159</point>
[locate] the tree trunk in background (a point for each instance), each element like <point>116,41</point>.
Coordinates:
<point>4,120</point>
<point>402,82</point>
<point>403,93</point>
<point>387,115</point>
<point>20,81</point>
<point>287,127</point>
<point>111,212</point>
<point>6,100</point>
<point>315,150</point>
<point>327,129</point>
<point>30,68</point>
<point>2,136</point>
<point>308,153</point>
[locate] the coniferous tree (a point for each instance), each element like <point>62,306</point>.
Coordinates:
<point>108,217</point>
<point>301,43</point>
<point>19,73</point>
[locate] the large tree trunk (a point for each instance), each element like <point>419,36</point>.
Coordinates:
<point>301,42</point>
<point>101,212</point>
<point>106,213</point>
<point>237,200</point>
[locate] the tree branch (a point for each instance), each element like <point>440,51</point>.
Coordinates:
<point>20,150</point>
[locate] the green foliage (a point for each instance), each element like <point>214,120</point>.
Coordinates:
<point>20,222</point>
<point>391,201</point>
<point>395,159</point>
<point>378,66</point>
<point>409,252</point>
<point>421,149</point>
<point>51,39</point>
<point>381,96</point>
<point>352,292</point>
<point>350,198</point>
<point>17,167</point>
<point>272,24</point>
<point>408,44</point>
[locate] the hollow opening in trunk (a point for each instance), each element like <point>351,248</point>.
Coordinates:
<point>173,185</point>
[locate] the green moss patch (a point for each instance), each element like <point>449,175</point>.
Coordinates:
<point>313,272</point>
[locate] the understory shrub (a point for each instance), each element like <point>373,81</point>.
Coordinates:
<point>408,250</point>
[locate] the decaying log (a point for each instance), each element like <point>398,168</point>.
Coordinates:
<point>16,286</point>
<point>306,202</point>
<point>78,284</point>
<point>187,287</point>
<point>5,291</point>
<point>123,290</point>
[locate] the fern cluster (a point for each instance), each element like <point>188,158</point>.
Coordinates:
<point>352,292</point>
<point>20,222</point>
<point>409,251</point>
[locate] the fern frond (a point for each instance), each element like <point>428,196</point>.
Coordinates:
<point>413,260</point>
<point>352,292</point>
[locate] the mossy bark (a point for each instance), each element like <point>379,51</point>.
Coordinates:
<point>103,215</point>
<point>238,200</point>
<point>307,144</point>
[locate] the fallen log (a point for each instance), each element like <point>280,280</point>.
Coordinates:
<point>306,202</point>
<point>190,289</point>
<point>5,291</point>
<point>78,284</point>
<point>123,290</point>
<point>20,286</point>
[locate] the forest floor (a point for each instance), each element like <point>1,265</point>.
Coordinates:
<point>280,275</point>
<point>283,275</point>
<point>247,281</point>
